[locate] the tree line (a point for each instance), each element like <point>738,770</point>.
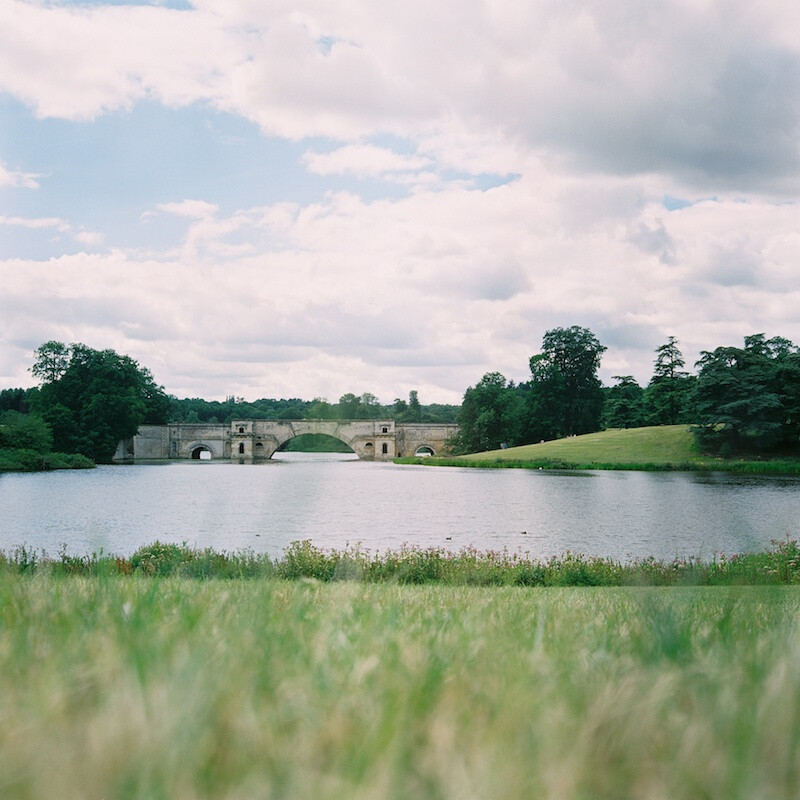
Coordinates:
<point>349,406</point>
<point>741,400</point>
<point>89,399</point>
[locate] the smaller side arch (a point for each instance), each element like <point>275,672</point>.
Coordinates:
<point>424,450</point>
<point>201,453</point>
<point>194,450</point>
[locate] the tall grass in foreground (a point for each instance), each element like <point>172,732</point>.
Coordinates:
<point>411,565</point>
<point>131,688</point>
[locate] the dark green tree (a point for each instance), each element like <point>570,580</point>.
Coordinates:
<point>14,400</point>
<point>748,399</point>
<point>489,416</point>
<point>667,398</point>
<point>25,431</point>
<point>623,406</point>
<point>50,361</point>
<point>100,398</point>
<point>349,407</point>
<point>565,396</point>
<point>320,408</point>
<point>414,408</point>
<point>399,409</point>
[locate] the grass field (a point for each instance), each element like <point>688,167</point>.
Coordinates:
<point>664,444</point>
<point>126,688</point>
<point>653,448</point>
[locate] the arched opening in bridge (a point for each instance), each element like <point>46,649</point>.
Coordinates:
<point>201,453</point>
<point>424,450</point>
<point>314,443</point>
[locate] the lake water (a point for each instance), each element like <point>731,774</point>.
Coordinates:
<point>334,500</point>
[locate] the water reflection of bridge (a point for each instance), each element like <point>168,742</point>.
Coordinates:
<point>258,439</point>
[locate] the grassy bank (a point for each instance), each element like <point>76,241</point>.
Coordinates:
<point>131,688</point>
<point>14,460</point>
<point>780,565</point>
<point>665,447</point>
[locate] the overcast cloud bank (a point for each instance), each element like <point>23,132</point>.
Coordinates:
<point>351,196</point>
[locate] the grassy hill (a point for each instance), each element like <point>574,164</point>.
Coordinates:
<point>661,447</point>
<point>658,446</point>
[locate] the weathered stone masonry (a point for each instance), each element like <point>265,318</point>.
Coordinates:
<point>258,439</point>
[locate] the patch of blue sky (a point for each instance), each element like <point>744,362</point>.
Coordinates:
<point>325,44</point>
<point>108,174</point>
<point>37,244</point>
<point>675,203</point>
<point>105,174</point>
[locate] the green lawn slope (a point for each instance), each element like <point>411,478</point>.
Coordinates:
<point>662,447</point>
<point>659,445</point>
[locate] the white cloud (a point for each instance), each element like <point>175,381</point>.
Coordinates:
<point>197,209</point>
<point>36,223</point>
<point>56,223</point>
<point>363,161</point>
<point>428,291</point>
<point>701,91</point>
<point>16,179</point>
<point>592,112</point>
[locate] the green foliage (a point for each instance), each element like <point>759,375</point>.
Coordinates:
<point>98,398</point>
<point>490,415</point>
<point>779,565</point>
<point>668,397</point>
<point>25,432</point>
<point>623,406</point>
<point>15,400</point>
<point>565,395</point>
<point>350,406</point>
<point>26,442</point>
<point>21,460</point>
<point>316,443</point>
<point>51,361</point>
<point>748,399</point>
<point>162,560</point>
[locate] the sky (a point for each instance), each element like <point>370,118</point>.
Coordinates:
<point>265,198</point>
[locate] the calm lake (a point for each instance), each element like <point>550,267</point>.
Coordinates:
<point>334,500</point>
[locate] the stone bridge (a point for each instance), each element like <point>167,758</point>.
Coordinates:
<point>257,439</point>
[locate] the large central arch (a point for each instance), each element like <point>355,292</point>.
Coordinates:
<point>315,443</point>
<point>259,439</point>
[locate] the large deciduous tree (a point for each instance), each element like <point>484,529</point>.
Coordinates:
<point>565,394</point>
<point>51,360</point>
<point>489,415</point>
<point>99,398</point>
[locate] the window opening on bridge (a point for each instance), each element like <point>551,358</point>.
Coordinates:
<point>384,429</point>
<point>241,448</point>
<point>241,429</point>
<point>384,448</point>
